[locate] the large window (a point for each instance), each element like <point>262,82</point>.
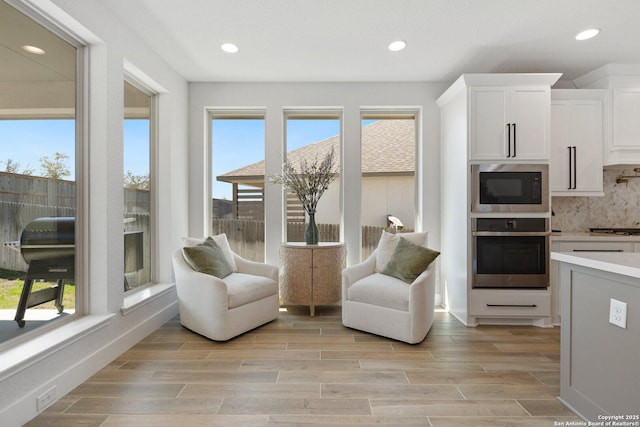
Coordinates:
<point>237,164</point>
<point>309,137</point>
<point>137,187</point>
<point>38,152</point>
<point>388,176</point>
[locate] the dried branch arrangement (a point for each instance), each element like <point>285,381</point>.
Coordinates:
<point>309,181</point>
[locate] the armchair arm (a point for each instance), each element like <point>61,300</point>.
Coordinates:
<point>198,290</point>
<point>358,271</point>
<point>256,268</point>
<point>355,272</point>
<point>422,290</point>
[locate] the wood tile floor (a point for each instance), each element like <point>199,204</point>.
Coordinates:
<point>299,371</point>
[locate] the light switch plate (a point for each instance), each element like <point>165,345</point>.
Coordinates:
<point>618,313</point>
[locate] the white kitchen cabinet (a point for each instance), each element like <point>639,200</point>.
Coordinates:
<point>622,124</point>
<point>577,142</point>
<point>498,304</point>
<point>509,123</point>
<point>624,146</point>
<point>474,113</point>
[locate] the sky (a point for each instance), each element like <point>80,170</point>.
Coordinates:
<point>27,141</point>
<point>236,143</point>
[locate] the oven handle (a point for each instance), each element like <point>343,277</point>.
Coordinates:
<point>513,305</point>
<point>510,233</point>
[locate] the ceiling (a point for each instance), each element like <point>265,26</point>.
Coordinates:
<point>37,86</point>
<point>17,30</point>
<point>346,41</point>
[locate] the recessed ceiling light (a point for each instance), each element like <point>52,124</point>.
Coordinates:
<point>229,47</point>
<point>33,49</point>
<point>587,34</point>
<point>397,45</point>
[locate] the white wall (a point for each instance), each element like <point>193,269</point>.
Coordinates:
<point>328,209</point>
<point>384,196</point>
<point>348,97</point>
<point>68,355</point>
<point>381,196</point>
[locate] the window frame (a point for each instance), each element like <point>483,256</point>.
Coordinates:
<point>153,177</point>
<point>314,113</point>
<point>81,173</point>
<point>391,113</point>
<point>229,113</point>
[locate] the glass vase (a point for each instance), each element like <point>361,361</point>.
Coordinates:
<point>311,233</point>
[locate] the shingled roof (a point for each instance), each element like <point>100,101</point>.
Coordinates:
<point>388,148</point>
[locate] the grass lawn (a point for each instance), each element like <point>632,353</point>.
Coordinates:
<point>11,287</point>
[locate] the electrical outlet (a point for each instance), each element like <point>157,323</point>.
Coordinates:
<point>618,313</point>
<point>46,398</point>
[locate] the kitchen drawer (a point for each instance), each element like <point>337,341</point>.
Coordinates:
<point>596,247</point>
<point>510,303</point>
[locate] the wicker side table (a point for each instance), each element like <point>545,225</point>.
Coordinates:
<point>311,274</point>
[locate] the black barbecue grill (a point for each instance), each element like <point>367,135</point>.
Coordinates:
<point>48,246</point>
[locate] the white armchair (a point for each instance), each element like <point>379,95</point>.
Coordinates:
<point>221,309</point>
<point>385,305</point>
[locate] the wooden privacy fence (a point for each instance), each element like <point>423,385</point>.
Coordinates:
<point>24,198</point>
<point>246,237</point>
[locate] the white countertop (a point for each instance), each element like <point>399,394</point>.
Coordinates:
<point>625,263</point>
<point>593,237</point>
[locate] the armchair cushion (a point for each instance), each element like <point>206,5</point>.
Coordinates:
<point>380,290</point>
<point>245,288</point>
<point>207,258</point>
<point>409,260</point>
<point>387,246</point>
<point>220,239</point>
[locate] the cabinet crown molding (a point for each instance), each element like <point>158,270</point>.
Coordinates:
<point>498,79</point>
<point>610,76</point>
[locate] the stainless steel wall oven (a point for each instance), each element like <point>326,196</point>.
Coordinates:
<point>510,253</point>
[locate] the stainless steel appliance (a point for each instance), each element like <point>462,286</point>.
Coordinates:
<point>510,188</point>
<point>510,253</point>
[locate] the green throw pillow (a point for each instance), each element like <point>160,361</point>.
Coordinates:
<point>409,260</point>
<point>208,258</point>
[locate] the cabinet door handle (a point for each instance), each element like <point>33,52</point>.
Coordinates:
<point>570,166</point>
<point>513,305</point>
<point>598,250</point>
<point>514,140</point>
<point>575,167</point>
<point>508,139</point>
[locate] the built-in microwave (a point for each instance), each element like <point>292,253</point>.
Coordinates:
<point>510,188</point>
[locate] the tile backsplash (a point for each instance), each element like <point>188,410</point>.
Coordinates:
<point>620,206</point>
